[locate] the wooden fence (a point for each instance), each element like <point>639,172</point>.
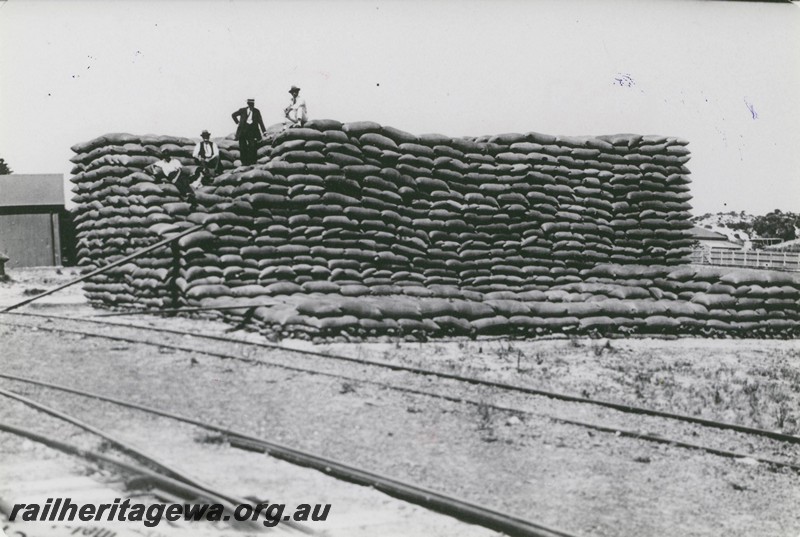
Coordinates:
<point>760,259</point>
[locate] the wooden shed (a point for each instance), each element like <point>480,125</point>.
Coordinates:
<point>31,210</point>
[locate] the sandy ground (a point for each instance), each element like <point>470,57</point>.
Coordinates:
<point>581,481</point>
<point>25,283</point>
<point>355,511</point>
<point>748,382</point>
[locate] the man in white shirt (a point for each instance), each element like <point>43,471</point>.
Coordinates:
<point>171,170</point>
<point>296,112</point>
<point>206,154</point>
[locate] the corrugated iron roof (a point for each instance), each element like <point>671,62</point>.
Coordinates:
<point>716,244</point>
<point>701,233</point>
<point>19,189</point>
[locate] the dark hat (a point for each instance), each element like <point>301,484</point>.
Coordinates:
<point>205,133</point>
<point>294,89</point>
<point>251,100</point>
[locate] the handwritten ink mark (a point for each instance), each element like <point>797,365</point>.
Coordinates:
<point>751,108</point>
<point>624,80</point>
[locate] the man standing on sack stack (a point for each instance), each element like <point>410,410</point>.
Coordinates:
<point>249,132</point>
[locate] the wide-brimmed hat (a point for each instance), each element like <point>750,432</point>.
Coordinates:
<point>294,89</point>
<point>205,133</point>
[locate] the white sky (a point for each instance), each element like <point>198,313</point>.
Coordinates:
<point>72,70</point>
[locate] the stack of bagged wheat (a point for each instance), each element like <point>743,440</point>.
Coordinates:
<point>121,209</point>
<point>367,230</point>
<point>367,208</point>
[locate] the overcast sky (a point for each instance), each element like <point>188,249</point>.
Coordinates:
<point>724,75</point>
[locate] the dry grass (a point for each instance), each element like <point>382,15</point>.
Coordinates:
<point>750,382</point>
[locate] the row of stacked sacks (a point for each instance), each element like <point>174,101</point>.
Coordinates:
<point>365,205</point>
<point>649,199</point>
<point>328,240</point>
<point>610,300</point>
<point>118,205</point>
<point>690,299</point>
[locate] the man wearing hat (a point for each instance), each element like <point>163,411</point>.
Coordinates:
<point>171,170</point>
<point>249,132</point>
<point>296,112</point>
<point>206,154</point>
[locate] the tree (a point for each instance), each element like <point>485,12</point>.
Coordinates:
<point>777,225</point>
<point>5,168</point>
<point>747,227</point>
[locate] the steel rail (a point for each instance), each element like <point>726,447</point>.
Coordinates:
<point>428,498</point>
<point>134,451</point>
<point>617,431</point>
<point>613,430</point>
<point>182,488</point>
<point>621,407</point>
<point>121,445</point>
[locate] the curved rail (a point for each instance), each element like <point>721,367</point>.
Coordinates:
<point>168,471</point>
<point>621,407</point>
<point>428,498</point>
<point>164,482</point>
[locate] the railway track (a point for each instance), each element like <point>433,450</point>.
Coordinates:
<point>170,481</point>
<point>518,396</point>
<point>134,470</point>
<point>48,473</point>
<point>621,407</point>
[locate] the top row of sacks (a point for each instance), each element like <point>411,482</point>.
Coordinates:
<point>395,136</point>
<point>625,142</point>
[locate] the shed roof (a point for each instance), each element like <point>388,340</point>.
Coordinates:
<point>19,189</point>
<point>701,233</point>
<point>716,244</point>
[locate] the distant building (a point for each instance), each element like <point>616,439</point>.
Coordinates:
<point>31,219</point>
<point>716,249</point>
<point>788,246</point>
<point>711,239</point>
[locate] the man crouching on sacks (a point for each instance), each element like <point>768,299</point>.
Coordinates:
<point>171,170</point>
<point>296,113</point>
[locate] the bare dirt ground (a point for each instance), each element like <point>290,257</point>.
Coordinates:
<point>206,457</point>
<point>24,283</point>
<point>564,476</point>
<point>748,382</point>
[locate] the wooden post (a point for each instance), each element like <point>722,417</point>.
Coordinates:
<point>55,231</point>
<point>173,279</point>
